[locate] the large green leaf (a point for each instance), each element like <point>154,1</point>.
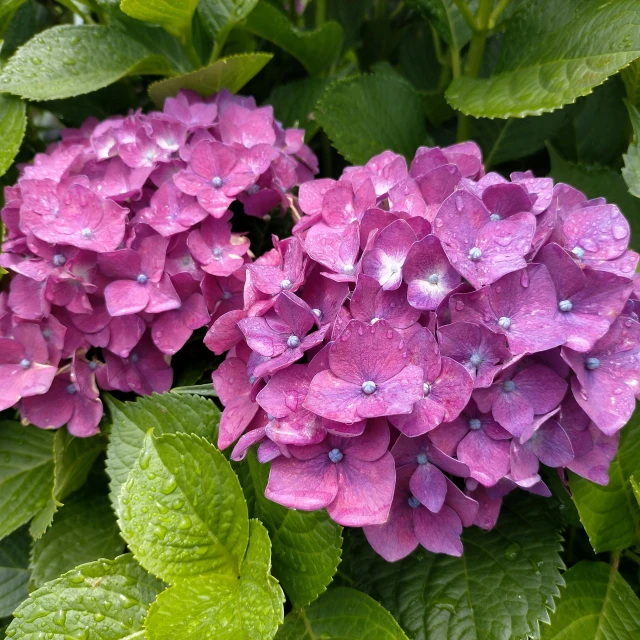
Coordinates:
<point>501,588</point>
<point>447,20</point>
<point>220,16</point>
<point>26,473</point>
<point>72,459</point>
<point>14,570</point>
<point>70,60</point>
<point>174,15</point>
<point>631,77</point>
<point>596,604</point>
<point>85,529</point>
<point>166,413</point>
<point>365,115</point>
<point>596,182</point>
<point>307,545</point>
<point>108,599</point>
<point>230,73</point>
<point>631,169</point>
<point>316,50</point>
<point>504,140</point>
<point>610,514</point>
<point>182,509</point>
<point>294,103</point>
<point>13,122</point>
<point>223,607</point>
<point>553,53</point>
<point>341,614</point>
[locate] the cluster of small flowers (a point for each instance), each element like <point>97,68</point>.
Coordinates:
<point>119,239</point>
<point>431,322</point>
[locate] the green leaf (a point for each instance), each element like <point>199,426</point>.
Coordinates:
<point>220,16</point>
<point>553,53</point>
<point>108,597</point>
<point>26,473</point>
<point>504,140</point>
<point>596,604</point>
<point>7,10</point>
<point>631,169</point>
<point>636,488</point>
<point>69,60</point>
<point>182,509</point>
<point>447,20</point>
<point>317,50</point>
<point>341,614</point>
<point>174,15</point>
<point>365,115</point>
<point>13,122</point>
<point>610,514</point>
<point>294,104</point>
<point>85,529</point>
<point>166,413</point>
<point>596,181</point>
<point>230,73</point>
<point>223,606</point>
<point>501,588</point>
<point>307,545</point>
<point>631,78</point>
<point>14,571</point>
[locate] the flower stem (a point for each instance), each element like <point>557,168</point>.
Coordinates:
<point>321,12</point>
<point>497,12</point>
<point>464,10</point>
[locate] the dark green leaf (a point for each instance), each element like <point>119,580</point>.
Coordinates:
<point>26,473</point>
<point>230,73</point>
<point>173,15</point>
<point>553,53</point>
<point>7,11</point>
<point>68,60</point>
<point>166,413</point>
<point>611,514</point>
<point>365,115</point>
<point>220,16</point>
<point>316,50</point>
<point>294,104</point>
<point>85,529</point>
<point>501,588</point>
<point>596,604</point>
<point>418,60</point>
<point>447,20</point>
<point>217,606</point>
<point>596,182</point>
<point>13,122</point>
<point>631,169</point>
<point>341,614</point>
<point>182,509</point>
<point>307,545</point>
<point>631,78</point>
<point>14,570</point>
<point>22,27</point>
<point>108,597</point>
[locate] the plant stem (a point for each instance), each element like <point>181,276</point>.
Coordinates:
<point>379,9</point>
<point>321,12</point>
<point>463,7</point>
<point>632,556</point>
<point>615,560</point>
<point>497,12</point>
<point>456,66</point>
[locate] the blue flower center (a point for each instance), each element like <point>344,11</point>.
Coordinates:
<point>508,386</point>
<point>422,458</point>
<point>141,278</point>
<point>475,254</point>
<point>86,233</point>
<point>335,455</point>
<point>426,388</point>
<point>494,217</point>
<point>592,363</point>
<point>578,252</point>
<point>504,322</point>
<point>285,284</point>
<point>217,182</point>
<point>565,305</point>
<point>293,342</point>
<point>476,359</point>
<point>134,357</point>
<point>413,502</point>
<point>25,363</point>
<point>226,295</point>
<point>317,313</point>
<point>217,253</point>
<point>434,278</point>
<point>71,389</point>
<point>368,387</point>
<point>93,365</point>
<point>348,269</point>
<point>59,260</point>
<point>475,424</point>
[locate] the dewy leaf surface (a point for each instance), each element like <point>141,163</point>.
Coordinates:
<point>341,614</point>
<point>223,607</point>
<point>13,122</point>
<point>108,597</point>
<point>14,570</point>
<point>307,545</point>
<point>70,60</point>
<point>166,413</point>
<point>596,604</point>
<point>553,53</point>
<point>26,473</point>
<point>182,512</point>
<point>631,169</point>
<point>365,115</point>
<point>610,514</point>
<point>230,73</point>
<point>501,588</point>
<point>85,529</point>
<point>173,15</point>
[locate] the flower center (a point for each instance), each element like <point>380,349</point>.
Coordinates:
<point>217,253</point>
<point>592,363</point>
<point>252,379</point>
<point>426,388</point>
<point>293,342</point>
<point>422,458</point>
<point>86,233</point>
<point>141,278</point>
<point>348,269</point>
<point>71,389</point>
<point>578,252</point>
<point>494,217</point>
<point>475,254</point>
<point>475,424</point>
<point>565,305</point>
<point>368,387</point>
<point>286,284</point>
<point>335,455</point>
<point>25,363</point>
<point>93,365</point>
<point>476,359</point>
<point>134,357</point>
<point>433,278</point>
<point>226,295</point>
<point>508,386</point>
<point>217,182</point>
<point>59,260</point>
<point>413,502</point>
<point>504,322</point>
<point>317,313</point>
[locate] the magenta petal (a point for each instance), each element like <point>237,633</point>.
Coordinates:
<point>487,459</point>
<point>438,532</point>
<point>429,485</point>
<point>124,297</point>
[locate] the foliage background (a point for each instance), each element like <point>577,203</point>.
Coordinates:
<point>547,85</point>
